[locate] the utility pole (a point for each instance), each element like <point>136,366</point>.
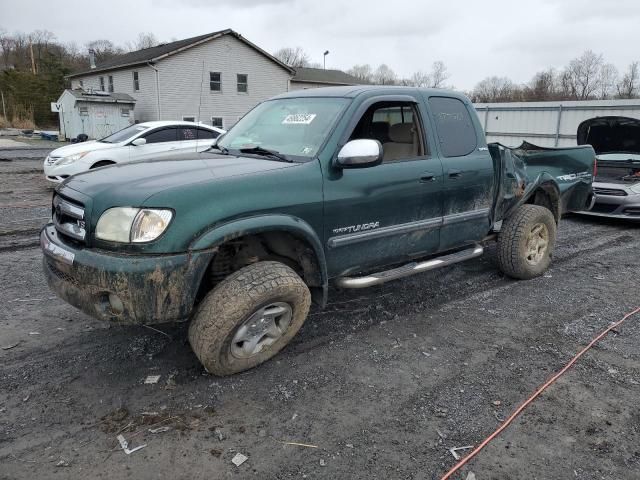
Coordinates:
<point>33,62</point>
<point>4,109</point>
<point>324,59</point>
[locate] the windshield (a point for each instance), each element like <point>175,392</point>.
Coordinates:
<point>124,134</point>
<point>295,127</point>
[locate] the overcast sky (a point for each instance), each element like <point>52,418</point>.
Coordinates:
<point>474,38</point>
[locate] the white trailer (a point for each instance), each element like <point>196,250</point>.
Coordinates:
<point>548,124</point>
<point>96,114</point>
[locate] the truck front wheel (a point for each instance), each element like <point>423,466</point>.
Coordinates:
<point>526,241</point>
<point>249,317</point>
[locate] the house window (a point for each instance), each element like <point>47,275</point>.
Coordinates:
<point>216,122</point>
<point>81,84</point>
<point>136,82</point>
<point>110,83</point>
<point>188,118</point>
<point>84,111</point>
<point>243,83</point>
<point>102,83</point>
<point>215,81</point>
<point>124,112</point>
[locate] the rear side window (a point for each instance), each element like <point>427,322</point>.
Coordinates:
<point>160,136</point>
<point>206,134</point>
<point>454,127</point>
<point>187,133</point>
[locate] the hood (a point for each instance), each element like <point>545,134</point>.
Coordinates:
<point>129,184</point>
<point>609,135</point>
<point>74,148</point>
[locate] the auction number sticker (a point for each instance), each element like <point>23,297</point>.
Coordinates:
<point>299,119</point>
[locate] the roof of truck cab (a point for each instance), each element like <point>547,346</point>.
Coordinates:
<point>352,91</point>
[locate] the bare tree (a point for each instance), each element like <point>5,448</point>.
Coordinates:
<point>629,85</point>
<point>581,78</point>
<point>364,73</point>
<point>495,89</point>
<point>439,74</point>
<point>146,40</point>
<point>608,79</point>
<point>420,79</point>
<point>294,57</point>
<point>7,46</point>
<point>543,86</point>
<point>105,49</point>
<point>384,75</point>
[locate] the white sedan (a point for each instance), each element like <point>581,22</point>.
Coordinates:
<point>142,141</point>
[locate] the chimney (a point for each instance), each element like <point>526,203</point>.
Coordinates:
<point>92,58</point>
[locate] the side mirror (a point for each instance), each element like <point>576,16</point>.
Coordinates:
<point>139,141</point>
<point>361,153</point>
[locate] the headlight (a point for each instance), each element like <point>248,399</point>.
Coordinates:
<point>132,225</point>
<point>70,158</point>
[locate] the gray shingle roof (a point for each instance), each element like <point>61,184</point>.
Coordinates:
<point>320,75</point>
<point>153,54</point>
<point>105,97</point>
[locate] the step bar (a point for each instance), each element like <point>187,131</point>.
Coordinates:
<point>409,269</point>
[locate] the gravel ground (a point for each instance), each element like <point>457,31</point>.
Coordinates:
<point>379,385</point>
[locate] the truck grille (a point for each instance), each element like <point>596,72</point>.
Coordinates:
<point>69,219</point>
<point>614,192</point>
<point>65,277</point>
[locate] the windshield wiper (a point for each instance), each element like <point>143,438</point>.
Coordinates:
<point>266,152</point>
<point>223,150</point>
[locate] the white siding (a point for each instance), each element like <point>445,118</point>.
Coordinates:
<point>537,122</point>
<point>184,81</point>
<point>102,118</point>
<point>123,83</point>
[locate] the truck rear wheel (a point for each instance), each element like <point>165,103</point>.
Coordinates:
<point>526,241</point>
<point>249,317</point>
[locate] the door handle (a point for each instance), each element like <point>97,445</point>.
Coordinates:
<point>427,177</point>
<point>454,173</point>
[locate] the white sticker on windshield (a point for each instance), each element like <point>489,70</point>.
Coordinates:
<point>299,119</point>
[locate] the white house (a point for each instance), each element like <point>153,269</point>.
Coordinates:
<point>214,78</point>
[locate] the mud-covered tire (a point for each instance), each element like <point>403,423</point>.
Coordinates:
<point>517,242</point>
<point>233,302</point>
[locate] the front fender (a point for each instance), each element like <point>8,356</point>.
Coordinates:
<point>230,230</point>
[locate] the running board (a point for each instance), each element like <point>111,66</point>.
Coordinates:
<point>409,269</point>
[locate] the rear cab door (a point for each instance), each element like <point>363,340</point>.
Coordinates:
<point>469,172</point>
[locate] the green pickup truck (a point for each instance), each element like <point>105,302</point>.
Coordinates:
<point>349,186</point>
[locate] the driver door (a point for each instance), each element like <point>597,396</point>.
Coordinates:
<point>391,212</point>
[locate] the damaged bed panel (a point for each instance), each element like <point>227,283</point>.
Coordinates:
<point>559,178</point>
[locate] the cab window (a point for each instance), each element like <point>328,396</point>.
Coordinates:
<point>397,126</point>
<point>456,133</point>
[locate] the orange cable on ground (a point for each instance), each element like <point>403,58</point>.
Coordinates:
<point>524,405</point>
